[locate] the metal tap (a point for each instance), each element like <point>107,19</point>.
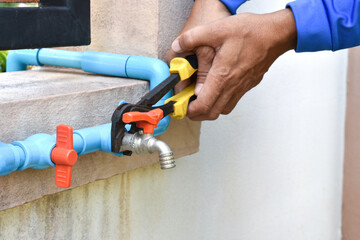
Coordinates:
<point>141,142</point>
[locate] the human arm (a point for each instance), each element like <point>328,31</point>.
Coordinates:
<point>243,54</point>
<point>326,24</point>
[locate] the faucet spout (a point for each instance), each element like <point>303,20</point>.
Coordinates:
<point>166,156</point>
<point>140,142</point>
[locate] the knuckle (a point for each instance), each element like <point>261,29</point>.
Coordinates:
<point>225,72</point>
<point>220,79</point>
<point>226,111</point>
<point>213,116</point>
<point>205,53</point>
<point>192,118</point>
<point>222,76</point>
<point>198,108</point>
<point>201,77</point>
<point>204,110</point>
<point>187,40</point>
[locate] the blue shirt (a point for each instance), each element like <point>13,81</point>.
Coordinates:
<point>321,24</point>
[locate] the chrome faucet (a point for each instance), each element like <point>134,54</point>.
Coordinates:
<point>141,142</point>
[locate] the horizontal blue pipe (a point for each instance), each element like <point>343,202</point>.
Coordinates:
<point>35,151</point>
<point>59,58</point>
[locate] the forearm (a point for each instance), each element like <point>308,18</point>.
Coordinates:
<point>205,11</point>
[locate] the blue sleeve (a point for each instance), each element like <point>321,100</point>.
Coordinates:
<point>326,24</point>
<point>233,5</point>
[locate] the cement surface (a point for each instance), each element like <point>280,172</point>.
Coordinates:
<point>38,100</point>
<point>45,82</point>
<point>138,27</point>
<point>351,187</point>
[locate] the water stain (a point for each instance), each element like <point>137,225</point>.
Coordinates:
<point>124,205</point>
<point>99,210</point>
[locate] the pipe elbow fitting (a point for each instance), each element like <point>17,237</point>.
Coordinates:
<point>151,69</point>
<point>18,60</point>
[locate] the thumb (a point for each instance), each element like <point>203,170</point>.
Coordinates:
<point>192,39</point>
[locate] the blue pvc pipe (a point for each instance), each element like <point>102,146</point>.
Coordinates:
<point>35,151</point>
<point>18,60</point>
<point>106,63</point>
<point>10,158</point>
<point>59,58</point>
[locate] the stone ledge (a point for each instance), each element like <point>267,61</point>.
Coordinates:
<point>40,99</point>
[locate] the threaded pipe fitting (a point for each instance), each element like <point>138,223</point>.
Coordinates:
<point>167,160</point>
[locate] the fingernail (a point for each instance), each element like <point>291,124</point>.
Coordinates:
<point>176,46</point>
<point>198,88</point>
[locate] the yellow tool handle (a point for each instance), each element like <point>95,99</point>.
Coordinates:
<point>185,67</point>
<point>182,100</point>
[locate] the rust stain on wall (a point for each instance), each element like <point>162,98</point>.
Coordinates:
<point>124,203</point>
<point>99,210</point>
<point>131,205</point>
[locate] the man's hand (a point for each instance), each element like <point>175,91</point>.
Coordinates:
<point>203,12</point>
<point>245,46</point>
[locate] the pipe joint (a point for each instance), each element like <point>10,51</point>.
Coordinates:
<point>37,151</point>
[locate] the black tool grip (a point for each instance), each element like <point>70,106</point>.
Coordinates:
<point>192,59</point>
<point>159,91</point>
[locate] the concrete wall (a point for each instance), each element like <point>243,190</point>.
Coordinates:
<point>351,192</point>
<point>271,170</point>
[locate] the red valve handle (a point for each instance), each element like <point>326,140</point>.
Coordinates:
<point>64,156</point>
<point>145,120</point>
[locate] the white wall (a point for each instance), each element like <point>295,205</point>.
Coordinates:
<point>271,170</point>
